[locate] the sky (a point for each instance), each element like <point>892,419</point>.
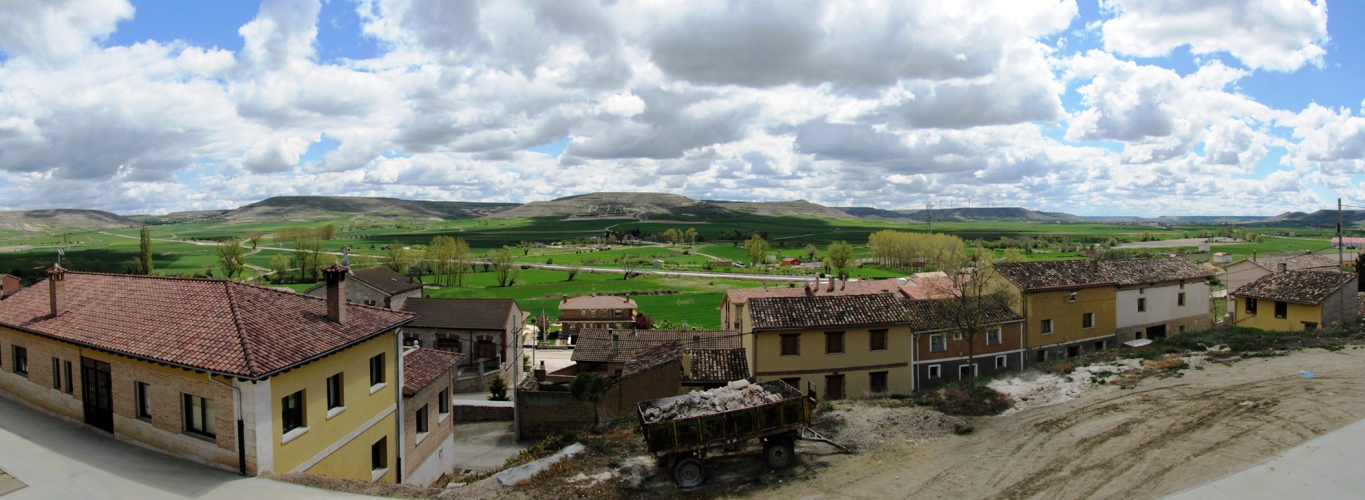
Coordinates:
<point>1092,107</point>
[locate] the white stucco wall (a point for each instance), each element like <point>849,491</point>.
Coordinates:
<point>1161,304</point>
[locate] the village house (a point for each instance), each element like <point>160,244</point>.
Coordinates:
<point>1248,270</point>
<point>733,302</point>
<point>9,285</point>
<point>428,433</point>
<point>702,367</point>
<point>488,331</point>
<point>219,372</point>
<point>598,312</point>
<point>606,352</point>
<point>790,262</point>
<point>1157,297</point>
<point>1295,300</point>
<point>376,286</point>
<point>1068,307</point>
<point>941,350</point>
<point>839,346</point>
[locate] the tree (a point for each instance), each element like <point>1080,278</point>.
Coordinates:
<point>231,257</point>
<point>525,247</point>
<point>810,251</point>
<point>396,258</point>
<point>255,238</point>
<point>573,270</point>
<point>328,232</point>
<point>643,322</point>
<point>504,267</point>
<point>629,263</point>
<point>497,389</point>
<point>144,259</point>
<point>970,302</point>
<point>307,256</point>
<point>757,248</point>
<point>1013,255</point>
<point>280,265</point>
<point>589,388</point>
<point>691,236</point>
<point>840,256</point>
<point>460,262</point>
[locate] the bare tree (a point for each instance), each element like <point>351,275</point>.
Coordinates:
<point>970,301</point>
<point>573,270</point>
<point>231,256</point>
<point>504,267</point>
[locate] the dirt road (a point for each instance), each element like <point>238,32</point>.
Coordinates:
<point>1158,438</point>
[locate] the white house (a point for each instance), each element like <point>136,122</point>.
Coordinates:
<point>1159,297</point>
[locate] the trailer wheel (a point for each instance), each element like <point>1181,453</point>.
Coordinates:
<point>689,472</point>
<point>779,453</point>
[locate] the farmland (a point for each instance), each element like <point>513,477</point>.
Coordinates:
<point>189,248</point>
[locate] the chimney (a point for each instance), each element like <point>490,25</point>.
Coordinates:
<point>615,340</point>
<point>831,286</point>
<point>1281,267</point>
<point>696,341</point>
<point>1094,265</point>
<point>335,275</point>
<point>56,277</point>
<point>810,292</point>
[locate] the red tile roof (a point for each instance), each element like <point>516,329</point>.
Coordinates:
<point>795,313</point>
<point>1045,276</point>
<point>1301,287</point>
<point>859,287</point>
<point>214,325</point>
<point>461,314</point>
<point>597,302</point>
<point>423,366</point>
<point>385,280</point>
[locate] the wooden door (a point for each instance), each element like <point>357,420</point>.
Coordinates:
<point>97,394</point>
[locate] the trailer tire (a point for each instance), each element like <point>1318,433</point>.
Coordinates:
<point>779,453</point>
<point>689,472</point>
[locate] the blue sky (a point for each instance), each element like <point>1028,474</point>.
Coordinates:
<point>1123,107</point>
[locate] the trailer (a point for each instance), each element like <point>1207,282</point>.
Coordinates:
<point>681,444</point>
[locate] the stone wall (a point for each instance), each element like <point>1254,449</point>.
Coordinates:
<point>472,413</point>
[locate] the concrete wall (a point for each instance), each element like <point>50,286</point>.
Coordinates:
<point>856,363</point>
<point>1242,272</point>
<point>426,454</point>
<point>545,413</point>
<point>1162,304</point>
<point>1066,316</point>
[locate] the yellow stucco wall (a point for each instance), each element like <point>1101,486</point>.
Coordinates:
<point>1265,315</point>
<point>1066,315</point>
<point>855,363</point>
<point>352,460</point>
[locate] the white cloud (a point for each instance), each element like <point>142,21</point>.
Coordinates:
<point>1279,35</point>
<point>54,30</point>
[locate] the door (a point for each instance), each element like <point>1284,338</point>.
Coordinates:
<point>97,395</point>
<point>834,387</point>
<point>1156,332</point>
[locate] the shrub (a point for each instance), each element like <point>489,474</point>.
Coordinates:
<point>497,389</point>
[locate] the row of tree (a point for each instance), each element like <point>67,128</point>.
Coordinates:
<point>914,250</point>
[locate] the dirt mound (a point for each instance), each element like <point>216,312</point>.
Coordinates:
<point>863,425</point>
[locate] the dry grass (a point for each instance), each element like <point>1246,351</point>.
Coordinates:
<point>357,487</point>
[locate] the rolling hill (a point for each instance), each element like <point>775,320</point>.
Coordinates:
<point>34,220</point>
<point>963,214</point>
<point>311,207</point>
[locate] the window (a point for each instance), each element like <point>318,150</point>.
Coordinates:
<point>876,340</point>
<point>1041,357</point>
<point>1180,299</point>
<point>1142,304</point>
<point>957,335</point>
<point>376,370</point>
<point>592,313</point>
<point>876,382</point>
<point>834,387</point>
<point>1088,320</point>
<point>616,313</point>
<point>1002,362</point>
<point>791,344</point>
<point>1251,306</point>
<point>1046,327</point>
<point>335,392</point>
<point>56,374</point>
<point>20,360</point>
<point>291,411</point>
<point>993,337</point>
<point>143,394</point>
<point>1099,345</point>
<point>1281,309</point>
<point>1182,328</point>
<point>199,418</point>
<point>379,454</point>
<point>1310,326</point>
<point>69,388</point>
<point>834,342</point>
<point>794,382</point>
<point>1073,351</point>
<point>1073,296</point>
<point>935,371</point>
<point>422,420</point>
<point>966,371</point>
<point>451,345</point>
<point>938,343</point>
<point>443,402</point>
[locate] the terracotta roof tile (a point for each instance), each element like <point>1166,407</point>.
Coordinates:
<point>1301,287</point>
<point>788,313</point>
<point>926,317</point>
<point>597,346</point>
<point>1045,276</point>
<point>858,287</point>
<point>597,302</point>
<point>214,325</point>
<point>461,314</point>
<point>385,280</point>
<point>422,366</point>
<point>718,365</point>
<point>1152,271</point>
<point>1297,262</point>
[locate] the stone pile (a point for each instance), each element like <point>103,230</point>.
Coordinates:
<point>736,395</point>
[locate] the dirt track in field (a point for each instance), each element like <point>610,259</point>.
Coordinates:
<point>1161,437</point>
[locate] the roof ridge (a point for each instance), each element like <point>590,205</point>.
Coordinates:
<point>247,356</point>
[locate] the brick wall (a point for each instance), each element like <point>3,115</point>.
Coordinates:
<point>545,413</point>
<point>439,427</point>
<point>470,413</point>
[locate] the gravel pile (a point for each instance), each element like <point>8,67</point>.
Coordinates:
<point>863,426</point>
<point>737,395</point>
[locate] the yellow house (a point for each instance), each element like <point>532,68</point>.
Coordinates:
<point>1295,300</point>
<point>1068,307</point>
<point>838,346</point>
<point>223,373</point>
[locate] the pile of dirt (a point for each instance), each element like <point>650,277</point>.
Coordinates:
<point>738,395</point>
<point>864,424</point>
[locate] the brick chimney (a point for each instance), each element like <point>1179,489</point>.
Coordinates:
<point>1281,267</point>
<point>335,275</point>
<point>56,277</point>
<point>1094,265</point>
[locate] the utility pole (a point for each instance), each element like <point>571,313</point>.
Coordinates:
<point>929,210</point>
<point>1341,260</point>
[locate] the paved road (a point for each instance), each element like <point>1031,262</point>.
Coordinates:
<point>484,446</point>
<point>1326,467</point>
<point>61,460</point>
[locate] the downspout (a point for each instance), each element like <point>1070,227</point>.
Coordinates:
<point>914,357</point>
<point>241,427</point>
<point>398,397</point>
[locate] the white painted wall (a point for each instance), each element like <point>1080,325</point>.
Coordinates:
<point>1161,304</point>
<point>441,462</point>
